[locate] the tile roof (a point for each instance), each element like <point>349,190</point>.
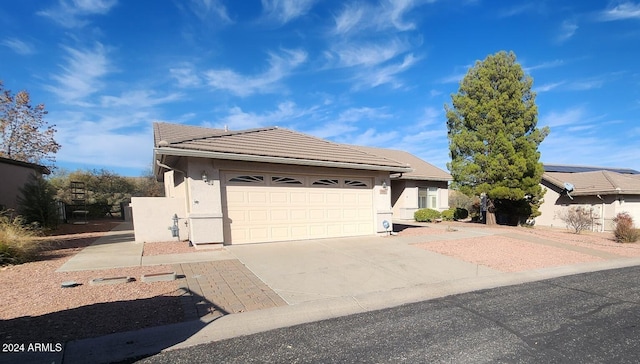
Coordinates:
<point>575,169</point>
<point>603,182</point>
<point>422,170</point>
<point>286,145</point>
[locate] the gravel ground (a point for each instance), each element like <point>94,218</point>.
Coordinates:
<point>512,255</point>
<point>35,308</point>
<point>172,247</point>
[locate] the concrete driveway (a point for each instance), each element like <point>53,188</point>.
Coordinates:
<point>301,271</point>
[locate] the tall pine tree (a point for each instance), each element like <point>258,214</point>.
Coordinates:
<point>494,139</point>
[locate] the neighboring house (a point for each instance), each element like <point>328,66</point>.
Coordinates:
<point>427,186</point>
<point>608,191</point>
<point>261,185</point>
<point>13,175</point>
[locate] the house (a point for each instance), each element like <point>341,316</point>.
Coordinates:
<point>608,191</point>
<point>426,186</point>
<point>261,185</point>
<point>13,175</point>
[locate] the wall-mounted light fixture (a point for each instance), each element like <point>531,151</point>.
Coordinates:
<point>384,185</point>
<point>205,178</point>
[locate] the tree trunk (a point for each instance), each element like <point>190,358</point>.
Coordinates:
<point>491,218</point>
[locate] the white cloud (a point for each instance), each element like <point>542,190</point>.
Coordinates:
<point>570,116</point>
<point>357,17</point>
<point>210,10</point>
<point>280,66</point>
<point>138,99</point>
<point>284,11</point>
<point>567,31</point>
<point>543,65</point>
<point>624,10</point>
<point>351,54</point>
<point>186,76</point>
<point>548,86</point>
<point>238,119</point>
<point>18,46</point>
<point>71,13</point>
<point>80,76</point>
<point>371,137</point>
<point>371,78</point>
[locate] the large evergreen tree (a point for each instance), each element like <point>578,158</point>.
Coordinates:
<point>494,139</point>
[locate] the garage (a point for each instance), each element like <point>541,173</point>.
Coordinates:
<point>262,207</point>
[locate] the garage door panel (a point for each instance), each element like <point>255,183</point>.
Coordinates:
<point>280,215</point>
<point>278,197</point>
<point>257,197</point>
<point>259,216</point>
<point>298,197</point>
<point>265,209</point>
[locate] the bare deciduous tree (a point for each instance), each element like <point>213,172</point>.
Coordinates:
<point>24,134</point>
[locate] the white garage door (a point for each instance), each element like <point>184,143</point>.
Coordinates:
<point>274,207</point>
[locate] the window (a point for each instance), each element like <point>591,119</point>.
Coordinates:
<point>247,179</point>
<point>326,182</point>
<point>354,183</point>
<point>285,181</point>
<point>428,197</point>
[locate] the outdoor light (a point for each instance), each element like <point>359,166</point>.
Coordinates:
<point>384,185</point>
<point>205,178</point>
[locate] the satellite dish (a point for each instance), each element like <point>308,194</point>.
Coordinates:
<point>568,187</point>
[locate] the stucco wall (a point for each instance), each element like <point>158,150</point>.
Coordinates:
<point>152,217</point>
<point>12,178</point>
<point>605,208</point>
<point>405,196</point>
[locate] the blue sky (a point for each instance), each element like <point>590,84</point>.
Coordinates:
<point>374,73</point>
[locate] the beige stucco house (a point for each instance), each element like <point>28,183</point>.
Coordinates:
<point>608,191</point>
<point>261,185</point>
<point>13,175</point>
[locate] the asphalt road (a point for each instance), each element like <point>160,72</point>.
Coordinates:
<point>586,318</point>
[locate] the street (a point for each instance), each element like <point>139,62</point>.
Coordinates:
<point>586,318</point>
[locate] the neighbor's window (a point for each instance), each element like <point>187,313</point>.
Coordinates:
<point>428,197</point>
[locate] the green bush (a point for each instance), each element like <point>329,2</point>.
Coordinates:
<point>18,242</point>
<point>426,215</point>
<point>448,215</point>
<point>460,214</point>
<point>625,231</point>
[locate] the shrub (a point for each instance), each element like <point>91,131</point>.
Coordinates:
<point>625,231</point>
<point>18,242</point>
<point>460,214</point>
<point>36,202</point>
<point>426,215</point>
<point>448,215</point>
<point>578,218</point>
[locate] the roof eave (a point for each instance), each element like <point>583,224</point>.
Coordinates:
<point>279,160</point>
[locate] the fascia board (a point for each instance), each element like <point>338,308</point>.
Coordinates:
<point>279,160</point>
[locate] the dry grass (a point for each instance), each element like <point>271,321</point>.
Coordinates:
<point>18,242</point>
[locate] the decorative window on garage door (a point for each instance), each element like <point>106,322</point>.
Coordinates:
<point>249,179</point>
<point>355,183</point>
<point>325,182</point>
<point>276,180</point>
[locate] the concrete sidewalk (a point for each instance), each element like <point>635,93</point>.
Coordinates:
<point>118,249</point>
<point>319,279</point>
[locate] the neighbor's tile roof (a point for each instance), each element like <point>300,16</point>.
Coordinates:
<point>422,170</point>
<point>604,182</point>
<point>267,142</point>
<point>575,169</point>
